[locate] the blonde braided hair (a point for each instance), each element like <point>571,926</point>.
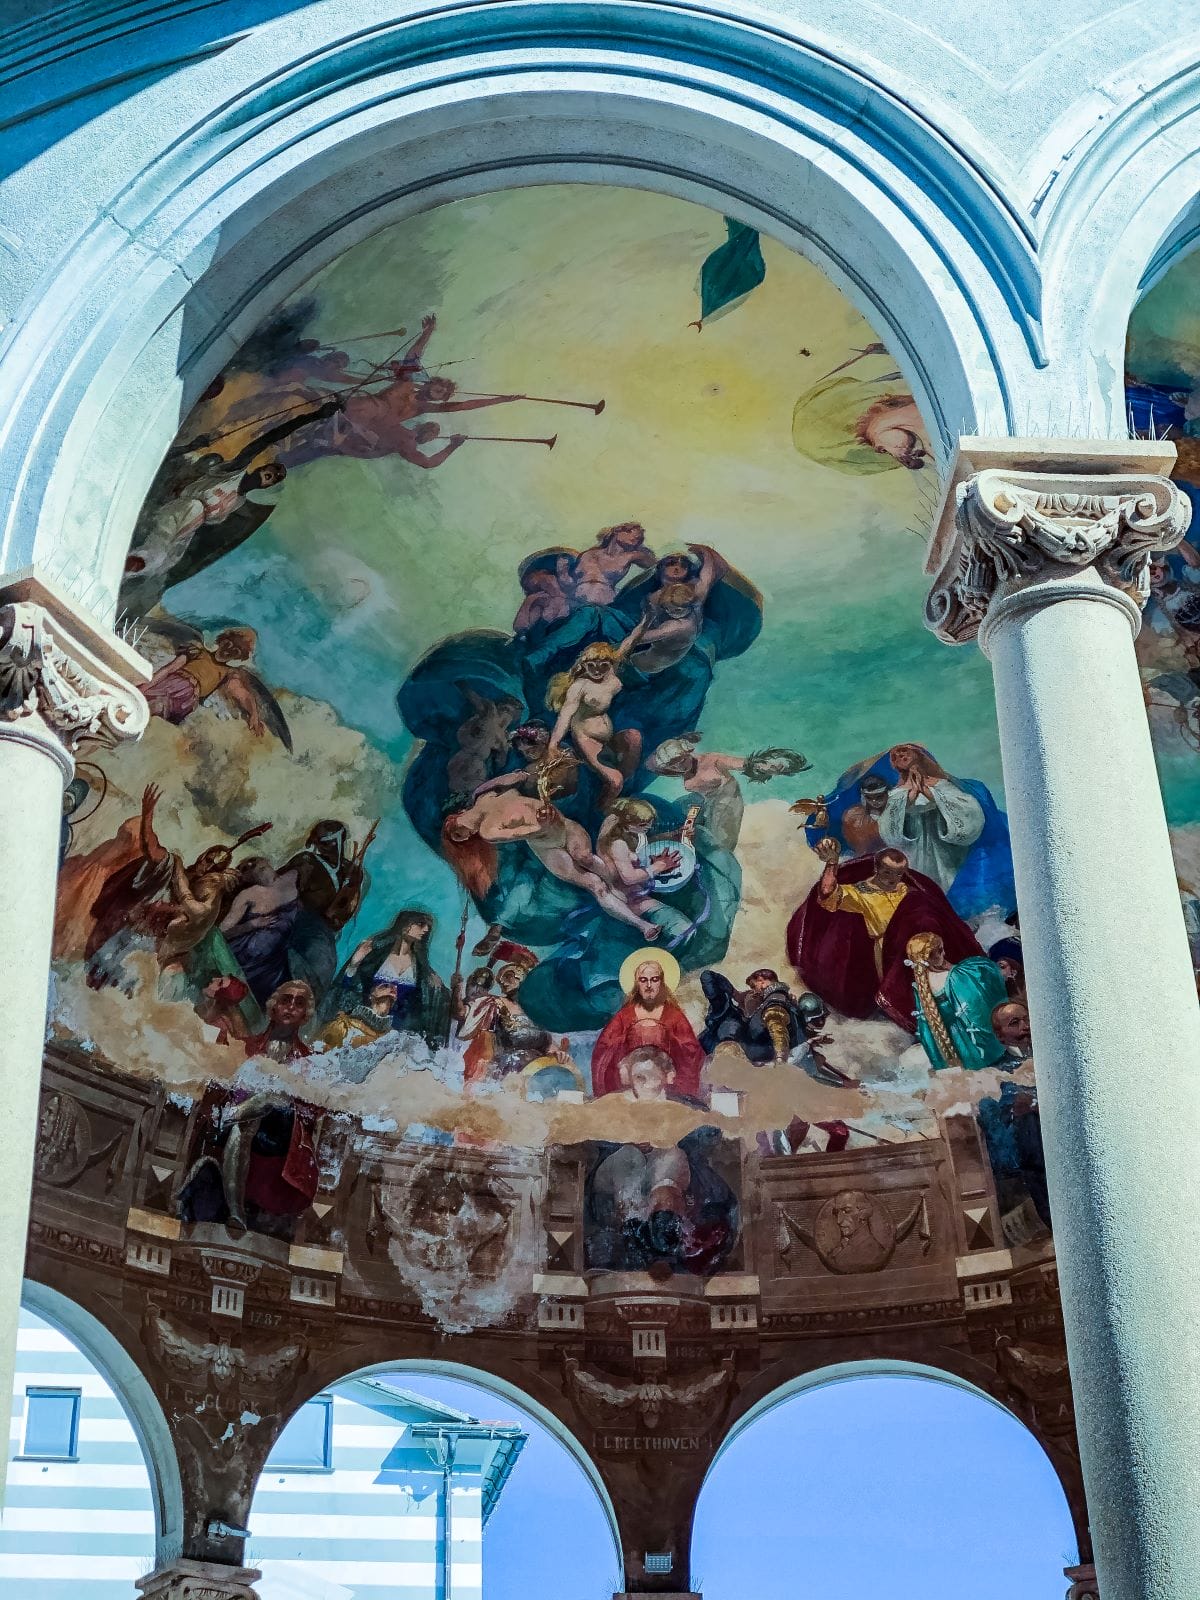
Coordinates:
<point>919,950</point>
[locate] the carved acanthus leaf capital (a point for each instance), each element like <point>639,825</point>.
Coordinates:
<point>1012,529</point>
<point>200,1580</point>
<point>55,684</point>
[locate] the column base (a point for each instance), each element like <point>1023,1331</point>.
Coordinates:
<point>200,1580</point>
<point>1083,1582</point>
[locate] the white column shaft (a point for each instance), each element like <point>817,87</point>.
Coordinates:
<point>31,789</point>
<point>63,681</point>
<point>1116,1031</point>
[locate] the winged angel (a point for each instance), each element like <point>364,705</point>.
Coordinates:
<point>193,1361</point>
<point>689,1405</point>
<point>198,673</point>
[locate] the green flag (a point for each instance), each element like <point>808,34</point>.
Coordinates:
<point>731,271</point>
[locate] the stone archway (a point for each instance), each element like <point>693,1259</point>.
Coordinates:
<point>556,1479</point>
<point>882,1427</point>
<point>224,222</point>
<point>129,1383</point>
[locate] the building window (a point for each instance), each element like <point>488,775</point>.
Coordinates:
<point>52,1424</point>
<point>306,1443</point>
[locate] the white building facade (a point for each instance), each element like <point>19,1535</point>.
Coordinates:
<point>371,1493</point>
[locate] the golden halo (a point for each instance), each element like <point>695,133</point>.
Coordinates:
<point>664,958</point>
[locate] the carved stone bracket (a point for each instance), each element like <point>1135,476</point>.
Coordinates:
<point>63,680</point>
<point>200,1580</point>
<point>1005,528</point>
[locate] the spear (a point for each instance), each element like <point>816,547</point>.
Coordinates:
<point>362,849</point>
<point>459,945</point>
<point>504,438</point>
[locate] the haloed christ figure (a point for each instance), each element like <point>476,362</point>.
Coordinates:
<point>650,1018</point>
<point>849,939</point>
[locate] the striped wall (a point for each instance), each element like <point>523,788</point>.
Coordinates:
<point>73,1530</point>
<point>372,1527</point>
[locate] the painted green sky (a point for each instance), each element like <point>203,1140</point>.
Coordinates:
<point>588,292</point>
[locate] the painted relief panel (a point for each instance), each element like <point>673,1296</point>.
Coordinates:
<point>559,857</point>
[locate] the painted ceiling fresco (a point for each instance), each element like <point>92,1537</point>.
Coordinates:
<point>1163,394</point>
<point>547,756</point>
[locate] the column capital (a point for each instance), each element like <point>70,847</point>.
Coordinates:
<point>64,679</point>
<point>199,1580</point>
<point>1024,522</point>
<point>1083,1582</point>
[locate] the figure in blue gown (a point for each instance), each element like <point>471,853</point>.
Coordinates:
<point>985,876</point>
<point>575,986</point>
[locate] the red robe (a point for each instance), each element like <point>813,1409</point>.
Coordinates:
<point>287,1185</point>
<point>625,1033</point>
<point>835,955</point>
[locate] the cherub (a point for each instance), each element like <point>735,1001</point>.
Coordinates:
<point>592,576</point>
<point>583,699</point>
<point>675,610</point>
<point>501,816</point>
<point>484,736</point>
<point>711,775</point>
<point>198,672</point>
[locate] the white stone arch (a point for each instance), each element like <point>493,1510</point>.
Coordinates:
<point>515,1395</point>
<point>849,1372</point>
<point>312,138</point>
<point>123,1375</point>
<point>1123,209</point>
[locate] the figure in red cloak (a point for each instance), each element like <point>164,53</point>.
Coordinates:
<point>650,1016</point>
<point>848,940</point>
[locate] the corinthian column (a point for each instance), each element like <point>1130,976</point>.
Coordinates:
<point>1042,553</point>
<point>64,681</point>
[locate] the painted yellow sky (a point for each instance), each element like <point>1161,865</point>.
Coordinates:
<point>587,293</point>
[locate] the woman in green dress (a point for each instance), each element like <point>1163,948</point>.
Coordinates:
<point>954,1005</point>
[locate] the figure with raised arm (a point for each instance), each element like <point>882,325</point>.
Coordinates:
<point>583,699</point>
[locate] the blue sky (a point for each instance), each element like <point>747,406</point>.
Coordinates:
<point>893,1487</point>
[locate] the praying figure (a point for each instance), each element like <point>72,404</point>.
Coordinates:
<point>928,816</point>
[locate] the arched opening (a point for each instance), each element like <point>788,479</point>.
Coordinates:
<point>435,1478</point>
<point>563,893</point>
<point>93,1499</point>
<point>883,1478</point>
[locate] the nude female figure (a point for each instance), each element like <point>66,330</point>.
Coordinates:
<point>593,575</point>
<point>618,845</point>
<point>583,699</point>
<point>675,610</point>
<point>501,816</point>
